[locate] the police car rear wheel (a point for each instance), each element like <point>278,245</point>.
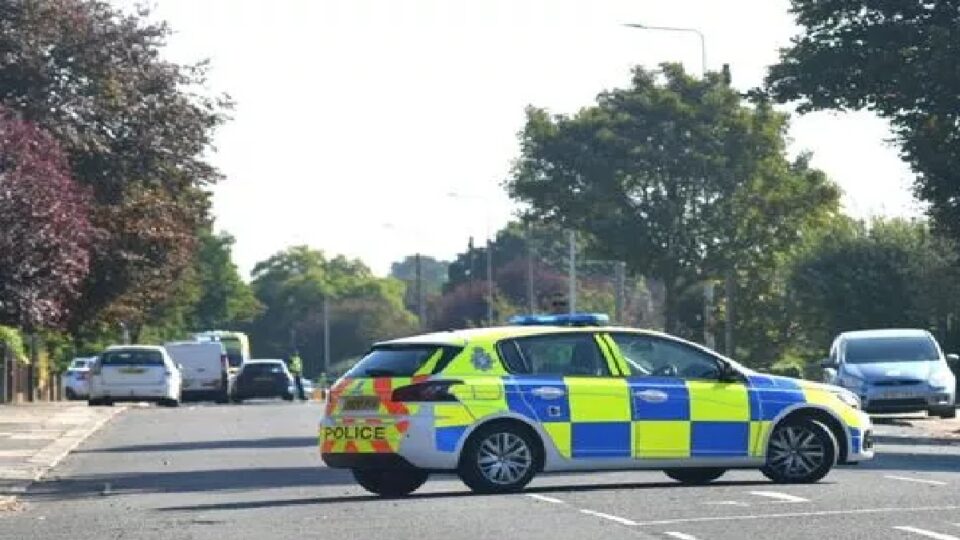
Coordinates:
<point>695,476</point>
<point>390,483</point>
<point>800,451</point>
<point>498,459</point>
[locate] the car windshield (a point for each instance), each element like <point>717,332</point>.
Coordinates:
<point>263,369</point>
<point>132,358</point>
<point>890,349</point>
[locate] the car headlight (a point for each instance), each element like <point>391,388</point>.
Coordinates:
<point>851,382</point>
<point>942,379</point>
<point>847,397</point>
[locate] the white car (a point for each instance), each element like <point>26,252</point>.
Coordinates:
<point>135,373</point>
<point>75,382</point>
<point>204,367</point>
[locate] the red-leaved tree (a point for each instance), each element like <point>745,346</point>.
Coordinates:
<point>45,232</point>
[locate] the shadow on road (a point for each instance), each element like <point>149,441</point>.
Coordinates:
<point>187,482</point>
<point>307,501</point>
<point>227,444</point>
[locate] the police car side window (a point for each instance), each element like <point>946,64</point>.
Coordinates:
<point>658,357</point>
<point>565,354</point>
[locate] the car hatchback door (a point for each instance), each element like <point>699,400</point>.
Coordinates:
<point>573,388</point>
<point>132,367</point>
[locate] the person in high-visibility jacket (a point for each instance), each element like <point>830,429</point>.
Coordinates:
<point>296,369</point>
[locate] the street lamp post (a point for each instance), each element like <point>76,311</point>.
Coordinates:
<point>420,290</point>
<point>486,214</point>
<point>703,40</point>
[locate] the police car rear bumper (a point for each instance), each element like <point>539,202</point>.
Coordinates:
<point>366,461</point>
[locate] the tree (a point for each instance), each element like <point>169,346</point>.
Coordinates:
<point>45,232</point>
<point>134,129</point>
<point>897,59</point>
<point>680,179</point>
<point>433,275</point>
<point>292,286</point>
<point>888,274</point>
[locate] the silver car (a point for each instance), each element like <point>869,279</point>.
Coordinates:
<point>894,371</point>
<point>76,380</point>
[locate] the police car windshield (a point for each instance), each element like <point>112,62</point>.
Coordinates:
<point>392,361</point>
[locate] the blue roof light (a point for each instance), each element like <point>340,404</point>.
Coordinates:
<point>570,319</point>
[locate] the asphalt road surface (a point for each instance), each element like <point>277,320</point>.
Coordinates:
<point>252,471</point>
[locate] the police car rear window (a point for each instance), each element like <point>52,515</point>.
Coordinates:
<point>400,361</point>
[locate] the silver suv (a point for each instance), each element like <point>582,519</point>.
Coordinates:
<point>894,371</point>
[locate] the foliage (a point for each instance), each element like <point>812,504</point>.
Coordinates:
<point>678,178</point>
<point>896,58</point>
<point>13,341</point>
<point>292,286</point>
<point>888,274</point>
<point>135,131</point>
<point>45,232</point>
<point>433,275</point>
<point>225,300</point>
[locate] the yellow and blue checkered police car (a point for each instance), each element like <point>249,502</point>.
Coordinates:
<point>568,393</point>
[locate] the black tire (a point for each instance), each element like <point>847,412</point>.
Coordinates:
<point>287,397</point>
<point>800,451</point>
<point>94,402</point>
<point>169,403</point>
<point>70,394</point>
<point>491,444</point>
<point>695,477</point>
<point>390,483</point>
<point>237,400</point>
<point>948,412</point>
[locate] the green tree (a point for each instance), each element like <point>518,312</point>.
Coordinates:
<point>680,179</point>
<point>135,129</point>
<point>433,275</point>
<point>292,286</point>
<point>886,274</point>
<point>897,59</point>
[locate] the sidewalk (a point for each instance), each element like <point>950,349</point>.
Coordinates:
<point>918,430</point>
<point>35,437</point>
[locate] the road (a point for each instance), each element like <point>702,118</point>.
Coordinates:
<point>252,471</point>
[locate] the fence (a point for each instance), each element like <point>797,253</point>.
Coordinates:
<point>20,382</point>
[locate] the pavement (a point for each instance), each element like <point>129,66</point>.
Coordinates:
<point>252,471</point>
<point>35,437</point>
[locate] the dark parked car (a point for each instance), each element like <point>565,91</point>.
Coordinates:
<point>263,379</point>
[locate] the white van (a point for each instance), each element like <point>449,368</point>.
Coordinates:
<point>134,373</point>
<point>204,367</point>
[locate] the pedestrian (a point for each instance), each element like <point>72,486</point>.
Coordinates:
<point>296,369</point>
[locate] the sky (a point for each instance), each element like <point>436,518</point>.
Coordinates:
<point>382,128</point>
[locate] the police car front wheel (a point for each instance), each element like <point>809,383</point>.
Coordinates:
<point>499,458</point>
<point>390,483</point>
<point>801,451</point>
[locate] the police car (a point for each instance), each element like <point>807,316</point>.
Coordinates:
<point>568,393</point>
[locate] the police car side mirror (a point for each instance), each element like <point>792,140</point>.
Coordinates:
<point>729,374</point>
<point>828,363</point>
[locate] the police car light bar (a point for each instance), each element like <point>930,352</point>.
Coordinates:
<point>570,319</point>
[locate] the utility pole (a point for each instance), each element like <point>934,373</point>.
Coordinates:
<point>572,301</point>
<point>531,293</point>
<point>326,335</point>
<point>421,307</point>
<point>620,278</point>
<point>489,281</point>
<point>728,329</point>
<point>708,338</point>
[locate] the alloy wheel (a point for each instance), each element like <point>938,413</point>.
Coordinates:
<point>504,458</point>
<point>796,451</point>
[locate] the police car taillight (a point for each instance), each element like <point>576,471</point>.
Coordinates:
<point>425,391</point>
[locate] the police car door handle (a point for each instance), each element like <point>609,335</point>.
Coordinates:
<point>651,396</point>
<point>548,392</point>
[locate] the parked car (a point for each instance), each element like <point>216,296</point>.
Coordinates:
<point>135,373</point>
<point>894,371</point>
<point>265,378</point>
<point>204,368</point>
<point>75,381</point>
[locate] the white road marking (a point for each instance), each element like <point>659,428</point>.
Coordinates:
<point>618,519</point>
<point>917,480</point>
<point>544,498</point>
<point>898,510</point>
<point>928,534</point>
<point>680,535</point>
<point>727,503</point>
<point>782,497</point>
